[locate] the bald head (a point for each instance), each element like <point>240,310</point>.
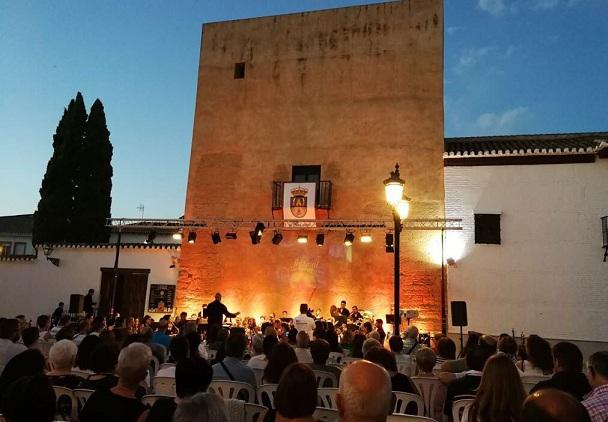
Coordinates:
<point>550,405</point>
<point>365,393</point>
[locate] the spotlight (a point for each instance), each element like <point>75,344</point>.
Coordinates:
<point>302,238</point>
<point>388,240</point>
<point>276,239</point>
<point>366,238</point>
<point>320,239</point>
<point>215,237</point>
<point>177,236</point>
<point>151,237</point>
<point>349,239</point>
<point>191,237</point>
<point>259,229</point>
<point>230,235</point>
<point>255,239</point>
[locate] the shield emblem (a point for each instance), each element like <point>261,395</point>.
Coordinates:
<point>298,202</point>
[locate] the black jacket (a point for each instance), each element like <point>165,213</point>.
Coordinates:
<point>216,311</point>
<point>574,383</point>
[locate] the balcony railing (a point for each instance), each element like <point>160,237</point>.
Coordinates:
<point>322,200</point>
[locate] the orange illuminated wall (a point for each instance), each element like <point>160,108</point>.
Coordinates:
<point>353,90</point>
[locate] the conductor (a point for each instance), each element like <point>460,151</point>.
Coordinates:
<point>215,313</point>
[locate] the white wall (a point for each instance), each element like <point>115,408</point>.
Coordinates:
<point>35,287</point>
<point>547,276</point>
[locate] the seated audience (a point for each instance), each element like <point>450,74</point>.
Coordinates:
<point>551,405</point>
<point>161,336</point>
<point>346,343</point>
<point>568,376</point>
<point>281,356</point>
<point>103,362</point>
<point>98,325</point>
<point>180,350</point>
<point>380,330</point>
<point>596,402</point>
<point>66,333</point>
<point>396,345</point>
<point>540,360</point>
<point>301,349</point>
<point>500,395</point>
<point>319,350</point>
<point>83,330</point>
<point>9,334</point>
<point>30,337</point>
<point>43,323</point>
<point>120,403</point>
<point>64,321</point>
<point>30,362</point>
<point>411,343</point>
<point>508,346</point>
<point>231,367</point>
<point>194,342</point>
<point>296,396</point>
<point>85,350</point>
<point>191,376</point>
<point>259,361</point>
<point>369,344</point>
<point>29,399</point>
<point>292,337</point>
<point>159,351</point>
<point>61,360</point>
<point>332,338</point>
<point>384,358</point>
<point>466,385</point>
<point>426,361</point>
<point>364,394</point>
<point>202,407</point>
<point>357,345</point>
<point>472,342</point>
<point>446,350</point>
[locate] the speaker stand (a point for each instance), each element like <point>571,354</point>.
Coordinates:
<point>461,343</point>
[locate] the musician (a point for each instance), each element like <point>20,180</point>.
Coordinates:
<point>343,311</point>
<point>355,314</point>
<point>216,311</point>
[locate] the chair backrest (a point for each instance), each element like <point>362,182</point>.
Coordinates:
<point>405,368</point>
<point>325,415</point>
<point>166,365</point>
<point>529,381</point>
<point>266,393</point>
<point>325,379</point>
<point>458,408</point>
<point>408,418</point>
<point>328,397</point>
<point>347,359</point>
<point>233,390</point>
<point>155,366</point>
<point>335,357</point>
<point>255,412</point>
<point>164,386</point>
<point>259,373</point>
<point>428,388</point>
<point>150,399</point>
<point>82,395</point>
<point>63,395</point>
<point>404,399</point>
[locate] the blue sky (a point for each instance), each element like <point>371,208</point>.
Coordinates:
<point>511,66</point>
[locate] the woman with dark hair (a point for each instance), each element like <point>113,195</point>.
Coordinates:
<point>30,362</point>
<point>296,397</point>
<point>103,361</point>
<point>29,399</point>
<point>281,356</point>
<point>194,341</point>
<point>357,346</point>
<point>540,358</point>
<point>446,350</point>
<point>332,338</point>
<point>500,395</point>
<point>472,341</point>
<point>83,356</point>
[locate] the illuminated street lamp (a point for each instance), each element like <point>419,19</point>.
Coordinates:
<point>400,206</point>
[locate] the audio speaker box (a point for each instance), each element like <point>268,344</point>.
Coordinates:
<point>459,313</point>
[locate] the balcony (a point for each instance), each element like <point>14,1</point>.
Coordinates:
<point>322,200</point>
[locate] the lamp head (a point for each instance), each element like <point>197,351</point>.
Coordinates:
<point>393,187</point>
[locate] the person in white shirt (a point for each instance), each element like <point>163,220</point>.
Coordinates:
<point>63,322</point>
<point>9,334</point>
<point>259,360</point>
<point>302,350</point>
<point>303,322</point>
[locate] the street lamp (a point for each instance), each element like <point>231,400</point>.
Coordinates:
<point>393,188</point>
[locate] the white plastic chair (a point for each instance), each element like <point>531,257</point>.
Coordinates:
<point>66,392</point>
<point>325,415</point>
<point>347,360</point>
<point>166,365</point>
<point>82,395</point>
<point>259,373</point>
<point>458,408</point>
<point>328,397</point>
<point>335,357</point>
<point>164,386</point>
<point>403,399</point>
<point>266,393</point>
<point>155,366</point>
<point>232,389</point>
<point>529,381</point>
<point>150,399</point>
<point>405,368</point>
<point>255,412</point>
<point>323,377</point>
<point>428,389</point>
<point>408,418</point>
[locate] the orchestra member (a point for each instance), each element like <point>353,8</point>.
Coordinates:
<point>215,314</point>
<point>380,330</point>
<point>355,314</point>
<point>343,311</point>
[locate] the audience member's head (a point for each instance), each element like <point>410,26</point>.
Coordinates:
<point>539,353</point>
<point>488,344</point>
<point>27,363</point>
<point>267,345</point>
<point>319,349</point>
<point>446,348</point>
<point>551,405</point>
<point>202,407</point>
<point>472,341</point>
<point>65,333</point>
<point>425,360</point>
<point>332,338</point>
<point>302,340</point>
<point>257,343</point>
<point>98,324</point>
<point>296,395</point>
<point>281,357</point>
<point>292,336</point>
<point>192,376</point>
<point>597,369</point>
<point>367,327</point>
<point>104,358</point>
<point>412,332</point>
<point>235,345</point>
<point>396,344</point>
<point>365,393</point>
<point>194,341</point>
<point>507,345</point>
<point>62,355</point>
<point>357,345</point>
<point>382,357</point>
<point>567,357</point>
<point>29,399</point>
<point>146,334</point>
<point>369,344</point>
<point>43,322</point>
<point>30,336</point>
<point>476,358</point>
<point>179,348</point>
<point>9,329</point>
<point>304,308</point>
<point>162,325</point>
<point>133,363</point>
<point>85,350</point>
<point>374,334</point>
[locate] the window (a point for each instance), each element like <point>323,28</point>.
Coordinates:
<point>487,229</point>
<point>239,70</point>
<point>19,248</point>
<point>306,174</point>
<point>5,248</point>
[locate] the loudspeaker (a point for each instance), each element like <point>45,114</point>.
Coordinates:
<point>76,304</point>
<point>459,313</point>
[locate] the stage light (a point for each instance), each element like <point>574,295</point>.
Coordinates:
<point>230,235</point>
<point>366,238</point>
<point>349,239</point>
<point>276,239</point>
<point>151,237</point>
<point>255,239</point>
<point>302,238</point>
<point>215,237</point>
<point>191,237</point>
<point>320,239</point>
<point>177,236</point>
<point>388,241</point>
<point>259,229</point>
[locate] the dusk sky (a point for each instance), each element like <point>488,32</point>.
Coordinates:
<point>511,67</point>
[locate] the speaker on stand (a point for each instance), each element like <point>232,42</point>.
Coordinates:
<point>459,317</point>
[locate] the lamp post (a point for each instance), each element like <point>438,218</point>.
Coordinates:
<point>393,188</point>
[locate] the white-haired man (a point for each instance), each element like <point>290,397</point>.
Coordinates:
<point>61,359</point>
<point>119,403</point>
<point>365,393</point>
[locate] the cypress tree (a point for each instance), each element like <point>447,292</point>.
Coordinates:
<point>92,201</point>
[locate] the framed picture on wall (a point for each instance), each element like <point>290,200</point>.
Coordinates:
<point>161,298</point>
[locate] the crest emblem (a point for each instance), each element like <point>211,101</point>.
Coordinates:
<point>298,203</point>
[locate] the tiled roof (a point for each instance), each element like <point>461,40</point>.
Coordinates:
<point>17,224</point>
<point>546,144</point>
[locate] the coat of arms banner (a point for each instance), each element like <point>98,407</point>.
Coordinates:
<point>299,204</point>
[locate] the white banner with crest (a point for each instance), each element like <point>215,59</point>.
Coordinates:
<point>299,204</point>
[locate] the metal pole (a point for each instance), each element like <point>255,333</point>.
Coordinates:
<point>397,222</point>
<point>444,315</point>
<point>116,257</point>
